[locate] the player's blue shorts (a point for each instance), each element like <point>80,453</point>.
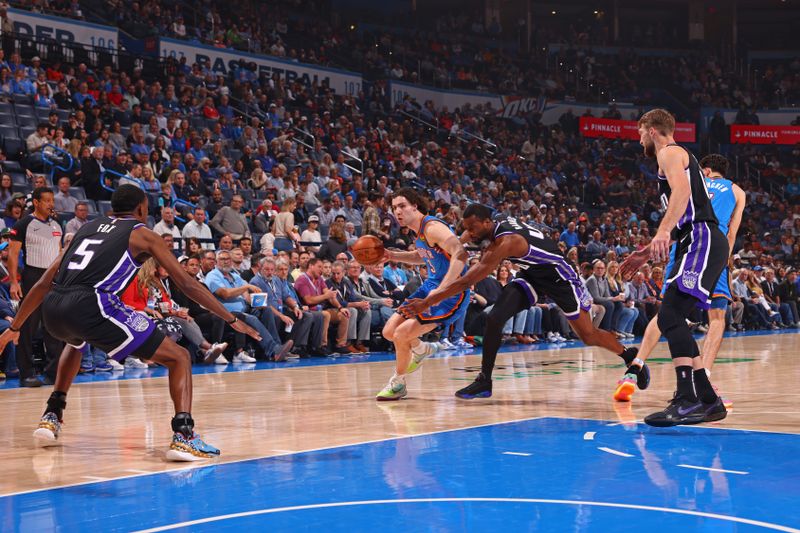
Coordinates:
<point>722,291</point>
<point>445,309</point>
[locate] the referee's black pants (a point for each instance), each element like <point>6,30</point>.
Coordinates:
<point>52,346</point>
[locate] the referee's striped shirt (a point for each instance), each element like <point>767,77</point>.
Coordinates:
<point>41,240</point>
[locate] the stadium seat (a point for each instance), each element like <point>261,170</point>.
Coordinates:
<point>15,148</point>
<point>78,193</point>
<point>103,206</point>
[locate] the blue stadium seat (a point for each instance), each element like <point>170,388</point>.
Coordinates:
<point>12,166</point>
<point>24,110</point>
<point>78,193</point>
<point>6,108</point>
<point>25,121</point>
<point>15,148</point>
<point>19,180</point>
<point>103,206</point>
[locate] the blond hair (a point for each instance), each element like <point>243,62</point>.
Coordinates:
<point>660,119</point>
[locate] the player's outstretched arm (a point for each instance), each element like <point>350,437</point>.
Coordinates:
<point>31,303</point>
<point>408,258</point>
<point>147,241</point>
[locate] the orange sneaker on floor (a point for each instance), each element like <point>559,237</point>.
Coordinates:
<point>625,388</point>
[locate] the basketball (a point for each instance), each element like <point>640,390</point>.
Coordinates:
<point>368,250</point>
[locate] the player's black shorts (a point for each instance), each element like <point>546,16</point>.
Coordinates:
<point>701,255</point>
<point>83,315</point>
<point>561,284</point>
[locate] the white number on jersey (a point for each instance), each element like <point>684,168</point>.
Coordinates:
<point>84,253</point>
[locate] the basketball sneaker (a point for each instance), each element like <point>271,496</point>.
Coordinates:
<point>728,403</point>
<point>625,388</point>
<point>480,388</point>
<point>103,366</point>
<point>430,348</point>
<point>193,449</point>
<point>47,432</point>
<point>216,349</point>
<point>462,344</point>
<point>394,390</point>
<point>715,411</point>
<point>446,345</point>
<point>114,364</point>
<point>680,411</point>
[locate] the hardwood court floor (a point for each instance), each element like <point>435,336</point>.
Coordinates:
<point>121,428</point>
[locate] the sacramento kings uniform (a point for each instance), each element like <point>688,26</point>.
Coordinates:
<point>543,270</point>
<point>84,306</point>
<point>437,261</point>
<point>701,250</point>
<point>723,202</point>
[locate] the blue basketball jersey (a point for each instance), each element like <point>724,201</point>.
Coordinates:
<point>436,259</point>
<point>723,201</point>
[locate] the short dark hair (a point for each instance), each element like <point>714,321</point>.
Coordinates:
<point>127,198</point>
<point>39,191</point>
<point>716,162</point>
<point>479,211</point>
<point>314,261</point>
<point>414,198</point>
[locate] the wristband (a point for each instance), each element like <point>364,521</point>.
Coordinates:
<point>232,322</point>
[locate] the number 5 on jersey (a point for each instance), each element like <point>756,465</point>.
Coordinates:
<point>84,253</point>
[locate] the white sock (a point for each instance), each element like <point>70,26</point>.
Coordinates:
<point>421,348</point>
<point>398,378</point>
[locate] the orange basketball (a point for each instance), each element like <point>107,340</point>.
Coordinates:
<point>368,250</point>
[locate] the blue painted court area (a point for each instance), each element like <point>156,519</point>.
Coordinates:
<point>544,474</point>
<point>155,372</point>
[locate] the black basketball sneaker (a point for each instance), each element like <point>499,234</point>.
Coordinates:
<point>480,388</point>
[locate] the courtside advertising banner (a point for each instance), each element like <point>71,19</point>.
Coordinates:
<point>607,128</point>
<point>745,134</point>
<point>221,61</point>
<point>44,28</point>
<point>440,97</point>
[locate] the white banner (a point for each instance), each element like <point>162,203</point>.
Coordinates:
<point>63,30</point>
<point>221,61</point>
<point>441,97</point>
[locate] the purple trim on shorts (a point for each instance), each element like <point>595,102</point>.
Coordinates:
<point>690,278</point>
<point>532,296</point>
<point>137,325</point>
<point>565,271</point>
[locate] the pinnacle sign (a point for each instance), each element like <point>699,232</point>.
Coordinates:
<point>745,134</point>
<point>685,132</point>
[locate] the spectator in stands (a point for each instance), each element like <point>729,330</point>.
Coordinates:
<point>80,219</point>
<point>789,295</point>
<point>315,346</point>
<point>382,308</point>
<point>625,311</point>
<point>360,320</point>
<point>167,225</point>
<point>771,294</point>
<point>34,143</point>
<point>234,293</point>
<point>313,292</point>
<point>231,220</point>
<point>64,201</point>
<point>198,228</point>
<point>335,244</point>
<point>597,284</point>
<point>6,189</point>
<point>13,212</point>
<point>286,237</point>
<point>311,234</point>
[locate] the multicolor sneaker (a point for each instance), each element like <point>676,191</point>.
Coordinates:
<point>480,388</point>
<point>47,432</point>
<point>416,359</point>
<point>625,388</point>
<point>393,391</point>
<point>194,449</point>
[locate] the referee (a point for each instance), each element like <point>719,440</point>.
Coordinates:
<point>39,237</point>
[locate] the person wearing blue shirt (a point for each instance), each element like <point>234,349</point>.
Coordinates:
<point>286,311</point>
<point>234,293</point>
<point>395,274</point>
<point>569,236</point>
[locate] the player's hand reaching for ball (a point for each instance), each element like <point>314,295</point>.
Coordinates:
<point>634,262</point>
<point>413,307</point>
<point>242,327</point>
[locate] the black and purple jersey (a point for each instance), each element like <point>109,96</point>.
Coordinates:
<point>99,257</point>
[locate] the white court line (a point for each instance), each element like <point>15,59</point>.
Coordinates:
<point>95,478</point>
<point>614,452</point>
<point>518,453</point>
<point>578,503</point>
<point>699,426</point>
<point>219,463</point>
<point>589,435</point>
<point>716,470</point>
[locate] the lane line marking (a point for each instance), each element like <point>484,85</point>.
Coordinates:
<point>740,472</point>
<point>518,453</point>
<point>614,452</point>
<point>578,503</point>
<point>589,435</point>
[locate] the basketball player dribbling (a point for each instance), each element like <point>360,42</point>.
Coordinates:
<point>727,201</point>
<point>543,272</point>
<point>439,249</point>
<point>80,305</point>
<point>701,254</point>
